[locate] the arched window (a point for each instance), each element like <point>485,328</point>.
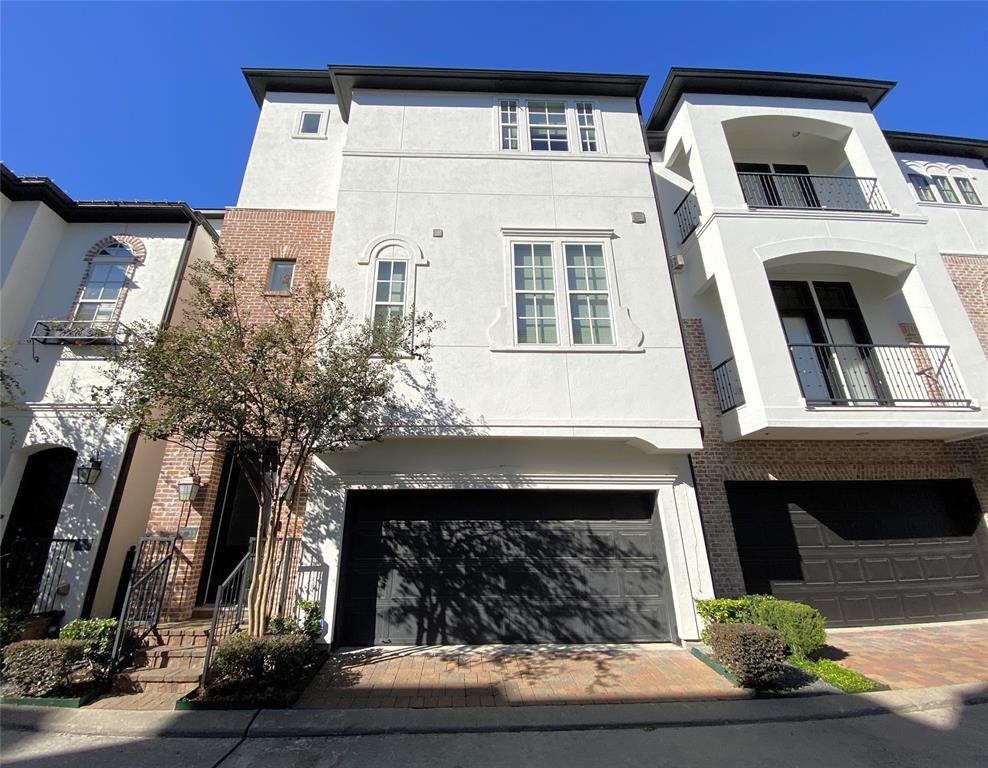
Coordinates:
<point>394,262</point>
<point>110,269</point>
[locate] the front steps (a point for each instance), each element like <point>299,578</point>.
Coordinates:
<point>170,662</point>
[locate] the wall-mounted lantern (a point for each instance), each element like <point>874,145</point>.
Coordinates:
<point>188,488</point>
<point>286,489</point>
<point>89,472</point>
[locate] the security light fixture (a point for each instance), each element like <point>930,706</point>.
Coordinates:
<point>88,473</point>
<point>286,489</point>
<point>188,488</point>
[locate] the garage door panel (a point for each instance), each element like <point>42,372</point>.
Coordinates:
<point>865,552</point>
<point>415,572</point>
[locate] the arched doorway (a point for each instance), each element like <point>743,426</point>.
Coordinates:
<point>33,518</point>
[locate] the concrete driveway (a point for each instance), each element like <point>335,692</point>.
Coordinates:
<point>921,656</point>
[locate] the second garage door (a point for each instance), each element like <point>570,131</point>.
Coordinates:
<point>865,553</point>
<point>515,566</point>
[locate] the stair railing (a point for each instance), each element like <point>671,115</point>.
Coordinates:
<point>230,606</point>
<point>146,590</point>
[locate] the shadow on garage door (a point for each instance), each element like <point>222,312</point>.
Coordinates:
<point>424,567</point>
<point>865,552</point>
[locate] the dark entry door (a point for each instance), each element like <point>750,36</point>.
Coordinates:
<point>881,552</point>
<point>515,566</point>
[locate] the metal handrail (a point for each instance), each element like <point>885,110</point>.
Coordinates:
<point>146,590</point>
<point>687,215</point>
<point>229,607</point>
<point>812,191</point>
<point>728,385</point>
<point>25,559</point>
<point>78,331</point>
<point>877,374</point>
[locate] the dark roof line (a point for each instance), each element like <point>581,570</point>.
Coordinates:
<point>343,79</point>
<point>932,144</point>
<point>44,190</point>
<point>742,82</point>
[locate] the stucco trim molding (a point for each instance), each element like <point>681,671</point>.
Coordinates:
<point>553,232</point>
<point>519,481</point>
<point>377,245</point>
<point>867,254</point>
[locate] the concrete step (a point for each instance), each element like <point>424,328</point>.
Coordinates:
<point>179,680</point>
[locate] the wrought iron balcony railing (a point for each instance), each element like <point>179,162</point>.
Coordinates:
<point>81,332</point>
<point>791,190</point>
<point>877,375</point>
<point>687,215</point>
<point>728,385</point>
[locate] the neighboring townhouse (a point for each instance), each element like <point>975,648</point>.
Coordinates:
<point>76,492</point>
<point>831,280</point>
<point>537,487</point>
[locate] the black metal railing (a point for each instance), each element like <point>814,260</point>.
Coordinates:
<point>728,385</point>
<point>792,190</point>
<point>81,332</point>
<point>33,570</point>
<point>146,591</point>
<point>874,374</point>
<point>687,215</point>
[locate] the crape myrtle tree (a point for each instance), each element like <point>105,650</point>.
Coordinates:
<point>282,378</point>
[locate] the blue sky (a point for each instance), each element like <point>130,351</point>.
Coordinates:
<point>146,100</point>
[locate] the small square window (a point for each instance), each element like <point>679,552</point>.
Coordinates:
<point>281,275</point>
<point>310,124</point>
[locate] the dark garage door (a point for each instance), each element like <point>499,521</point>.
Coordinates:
<point>865,552</point>
<point>517,566</point>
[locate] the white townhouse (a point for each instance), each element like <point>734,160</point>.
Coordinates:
<point>76,492</point>
<point>538,488</point>
<point>832,280</point>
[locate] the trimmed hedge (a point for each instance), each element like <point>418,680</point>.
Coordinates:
<point>267,670</point>
<point>729,610</point>
<point>98,636</point>
<point>801,626</point>
<point>40,668</point>
<point>752,653</point>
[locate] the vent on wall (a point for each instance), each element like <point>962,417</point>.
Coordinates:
<point>637,217</point>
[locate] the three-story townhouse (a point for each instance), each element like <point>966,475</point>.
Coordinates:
<point>76,491</point>
<point>831,285</point>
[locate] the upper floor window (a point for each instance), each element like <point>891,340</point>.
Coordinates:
<point>535,293</point>
<point>547,126</point>
<point>508,112</point>
<point>389,290</point>
<point>311,124</point>
<point>101,290</point>
<point>588,130</point>
<point>946,189</point>
<point>967,190</point>
<point>922,186</point>
<point>280,275</point>
<point>589,304</point>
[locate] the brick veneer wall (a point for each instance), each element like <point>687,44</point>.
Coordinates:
<point>800,460</point>
<point>970,276</point>
<point>256,237</point>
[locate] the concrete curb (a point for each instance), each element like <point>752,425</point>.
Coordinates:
<point>279,724</point>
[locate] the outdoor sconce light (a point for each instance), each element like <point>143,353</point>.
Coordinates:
<point>286,490</point>
<point>88,474</point>
<point>188,488</point>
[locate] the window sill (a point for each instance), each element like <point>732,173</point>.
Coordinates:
<point>571,349</point>
<point>961,206</point>
<point>277,293</point>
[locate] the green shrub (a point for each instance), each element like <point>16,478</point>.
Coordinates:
<point>98,635</point>
<point>752,653</point>
<point>729,610</point>
<point>40,668</point>
<point>310,625</point>
<point>266,669</point>
<point>801,625</point>
<point>11,625</point>
<point>846,679</point>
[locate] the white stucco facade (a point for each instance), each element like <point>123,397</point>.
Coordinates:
<point>888,249</point>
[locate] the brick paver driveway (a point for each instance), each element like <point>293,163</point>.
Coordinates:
<point>915,657</point>
<point>509,675</point>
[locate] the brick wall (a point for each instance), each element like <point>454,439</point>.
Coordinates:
<point>970,276</point>
<point>256,237</point>
<point>800,460</point>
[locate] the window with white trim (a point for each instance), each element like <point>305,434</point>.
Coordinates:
<point>922,186</point>
<point>281,274</point>
<point>945,188</point>
<point>389,290</point>
<point>103,285</point>
<point>534,294</point>
<point>588,128</point>
<point>547,129</point>
<point>310,124</point>
<point>508,111</point>
<point>589,301</point>
<point>967,190</point>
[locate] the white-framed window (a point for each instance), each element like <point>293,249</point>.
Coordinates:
<point>547,126</point>
<point>968,192</point>
<point>589,298</point>
<point>280,275</point>
<point>103,286</point>
<point>945,188</point>
<point>534,293</point>
<point>310,124</point>
<point>390,290</point>
<point>922,186</point>
<point>508,122</point>
<point>587,126</point>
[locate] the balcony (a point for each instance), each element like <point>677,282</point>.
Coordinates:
<point>78,332</point>
<point>877,375</point>
<point>687,215</point>
<point>812,192</point>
